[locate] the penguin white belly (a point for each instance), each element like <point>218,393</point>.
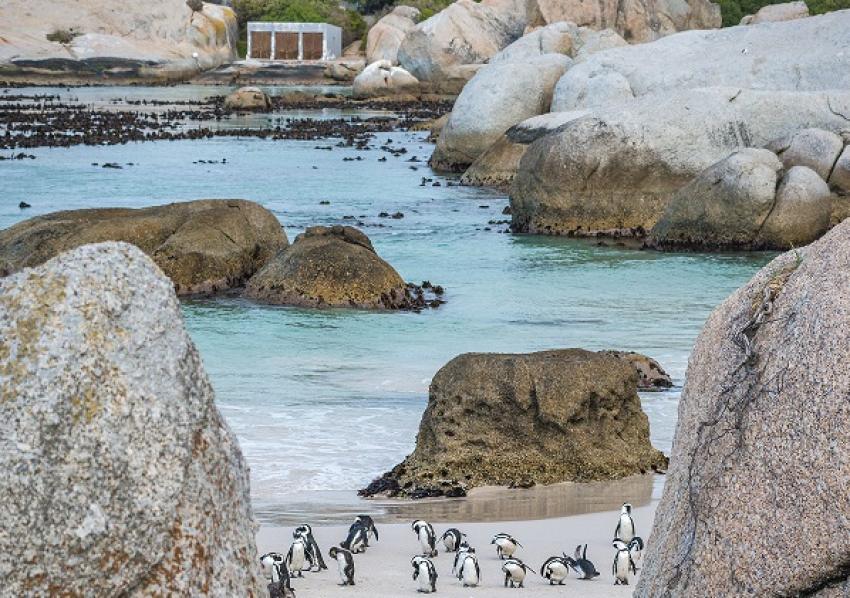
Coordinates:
<point>424,541</point>
<point>424,578</point>
<point>340,561</point>
<point>627,529</point>
<point>297,562</point>
<point>622,572</point>
<point>558,572</point>
<point>517,573</point>
<point>470,575</point>
<point>507,547</point>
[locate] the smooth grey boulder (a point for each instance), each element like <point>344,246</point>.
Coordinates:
<point>746,201</point>
<point>557,38</point>
<point>498,165</point>
<point>787,11</point>
<point>754,57</point>
<point>464,33</point>
<point>614,170</point>
<point>760,450</point>
<point>120,476</point>
<point>385,36</point>
<point>382,79</point>
<point>498,96</point>
<point>815,148</point>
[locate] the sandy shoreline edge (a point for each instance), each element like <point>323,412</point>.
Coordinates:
<point>385,570</point>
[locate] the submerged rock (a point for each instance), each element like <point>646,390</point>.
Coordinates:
<point>760,450</point>
<point>203,246</point>
<point>117,466</point>
<point>524,419</point>
<point>333,267</point>
<point>248,99</point>
<point>746,201</point>
<point>614,170</point>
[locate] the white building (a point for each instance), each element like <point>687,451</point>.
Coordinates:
<point>294,41</point>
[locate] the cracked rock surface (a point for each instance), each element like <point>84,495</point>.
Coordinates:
<point>203,246</point>
<point>120,477</point>
<point>760,467</point>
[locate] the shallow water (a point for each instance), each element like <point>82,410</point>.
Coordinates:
<point>324,401</point>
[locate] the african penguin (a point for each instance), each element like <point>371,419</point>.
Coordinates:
<point>452,539</point>
<point>345,563</point>
<point>296,558</point>
<point>583,567</point>
<point>636,548</point>
<point>505,545</point>
<point>357,539</point>
<point>312,546</point>
<point>426,573</point>
<point>274,566</point>
<point>469,573</point>
<point>462,551</point>
<point>623,563</point>
<point>369,525</point>
<point>427,537</point>
<point>555,569</point>
<point>626,526</point>
<point>514,570</point>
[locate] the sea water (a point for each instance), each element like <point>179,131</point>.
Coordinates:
<point>323,401</point>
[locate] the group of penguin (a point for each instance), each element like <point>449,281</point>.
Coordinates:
<point>304,554</point>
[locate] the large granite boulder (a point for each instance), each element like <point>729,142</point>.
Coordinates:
<point>614,170</point>
<point>755,57</point>
<point>80,39</point>
<point>204,246</point>
<point>381,79</point>
<point>840,177</point>
<point>636,20</point>
<point>787,11</point>
<point>746,201</point>
<point>464,33</point>
<point>815,148</point>
<point>249,99</point>
<point>499,96</point>
<point>331,267</point>
<point>523,419</point>
<point>385,36</point>
<point>557,38</point>
<point>499,164</point>
<point>760,449</point>
<point>120,476</point>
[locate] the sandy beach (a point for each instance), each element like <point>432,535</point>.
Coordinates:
<point>385,570</point>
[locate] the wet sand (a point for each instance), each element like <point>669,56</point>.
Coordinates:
<point>385,570</point>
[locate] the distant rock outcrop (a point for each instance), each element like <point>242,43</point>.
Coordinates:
<point>204,246</point>
<point>332,267</point>
<point>760,450</point>
<point>755,57</point>
<point>251,99</point>
<point>90,39</point>
<point>524,419</point>
<point>787,11</point>
<point>746,201</point>
<point>120,477</point>
<point>385,36</point>
<point>614,170</point>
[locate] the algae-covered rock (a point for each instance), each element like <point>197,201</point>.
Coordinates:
<point>204,246</point>
<point>523,419</point>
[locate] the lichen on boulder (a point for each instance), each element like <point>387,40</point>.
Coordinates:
<point>336,266</point>
<point>204,246</point>
<point>524,419</point>
<point>120,477</point>
<point>760,450</point>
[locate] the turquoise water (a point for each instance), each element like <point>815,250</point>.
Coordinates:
<point>323,401</point>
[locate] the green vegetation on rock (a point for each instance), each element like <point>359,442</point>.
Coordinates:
<point>735,10</point>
